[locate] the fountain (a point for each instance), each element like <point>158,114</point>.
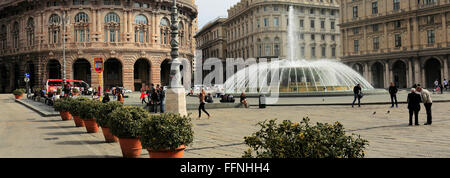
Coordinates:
<point>294,75</point>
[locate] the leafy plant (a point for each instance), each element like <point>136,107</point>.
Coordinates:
<point>166,132</point>
<point>75,90</point>
<point>75,105</point>
<point>19,91</point>
<point>104,111</point>
<point>301,140</point>
<point>89,109</point>
<point>125,122</point>
<point>62,105</point>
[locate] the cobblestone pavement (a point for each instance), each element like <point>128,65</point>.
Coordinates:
<point>23,133</point>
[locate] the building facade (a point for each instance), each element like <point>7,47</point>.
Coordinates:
<point>132,36</point>
<point>259,29</point>
<point>405,42</point>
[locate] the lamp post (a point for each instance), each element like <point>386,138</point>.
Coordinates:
<point>175,97</point>
<point>64,21</point>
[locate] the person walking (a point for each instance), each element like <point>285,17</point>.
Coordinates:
<point>441,88</point>
<point>155,101</point>
<point>357,95</point>
<point>243,99</point>
<point>119,96</point>
<point>142,97</point>
<point>106,98</point>
<point>393,91</point>
<point>445,84</point>
<point>427,102</point>
<point>201,108</point>
<point>162,99</point>
<point>414,100</point>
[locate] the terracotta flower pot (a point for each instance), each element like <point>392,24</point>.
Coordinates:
<point>91,125</point>
<point>178,153</point>
<point>131,147</point>
<point>65,116</point>
<point>18,97</point>
<point>109,137</point>
<point>78,121</point>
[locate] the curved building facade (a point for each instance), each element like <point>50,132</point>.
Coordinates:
<point>132,36</point>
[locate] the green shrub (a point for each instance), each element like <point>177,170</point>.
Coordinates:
<point>166,132</point>
<point>294,140</point>
<point>75,90</point>
<point>62,105</point>
<point>89,109</point>
<point>127,121</point>
<point>75,105</point>
<point>104,112</point>
<point>19,91</point>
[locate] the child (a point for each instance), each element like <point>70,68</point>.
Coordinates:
<point>143,94</point>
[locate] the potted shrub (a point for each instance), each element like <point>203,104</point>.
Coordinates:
<point>103,117</point>
<point>63,106</point>
<point>75,110</point>
<point>166,135</point>
<point>302,140</point>
<point>89,108</point>
<point>19,93</point>
<point>75,91</point>
<point>125,123</point>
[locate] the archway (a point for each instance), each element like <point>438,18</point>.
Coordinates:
<point>432,72</point>
<point>53,69</point>
<point>142,72</point>
<point>358,68</point>
<point>165,72</point>
<point>377,75</point>
<point>399,71</point>
<point>82,70</point>
<point>112,75</point>
<point>29,68</point>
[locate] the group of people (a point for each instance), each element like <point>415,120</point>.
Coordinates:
<point>155,97</point>
<point>415,97</point>
<point>440,86</point>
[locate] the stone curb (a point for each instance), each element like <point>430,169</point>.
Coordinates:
<point>42,113</point>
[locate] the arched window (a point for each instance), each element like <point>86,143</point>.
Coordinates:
<point>277,46</point>
<point>15,35</point>
<point>81,27</point>
<point>141,29</point>
<point>112,27</point>
<point>3,36</point>
<point>165,30</point>
<point>54,28</point>
<point>30,32</point>
<point>267,47</point>
<point>181,34</point>
<point>259,47</point>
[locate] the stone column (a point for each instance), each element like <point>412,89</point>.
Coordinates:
<point>416,34</point>
<point>128,73</point>
<point>386,74</point>
<point>445,67</point>
<point>409,81</point>
<point>417,71</point>
<point>444,30</point>
<point>366,72</point>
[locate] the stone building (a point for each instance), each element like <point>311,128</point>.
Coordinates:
<point>405,42</point>
<point>132,36</point>
<point>258,29</point>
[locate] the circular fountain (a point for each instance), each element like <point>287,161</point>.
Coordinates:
<point>294,75</point>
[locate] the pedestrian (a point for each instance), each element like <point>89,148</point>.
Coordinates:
<point>106,98</point>
<point>427,102</point>
<point>119,96</point>
<point>244,99</point>
<point>162,99</point>
<point>209,98</point>
<point>357,95</point>
<point>436,83</point>
<point>155,101</point>
<point>201,108</point>
<point>445,84</point>
<point>414,100</point>
<point>393,92</point>
<point>441,87</point>
<point>113,91</point>
<point>143,94</point>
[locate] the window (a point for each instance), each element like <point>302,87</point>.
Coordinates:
<point>398,40</point>
<point>332,25</point>
<point>275,22</point>
<point>30,32</point>
<point>302,51</point>
<point>15,34</point>
<point>356,30</point>
<point>81,27</point>
<point>3,36</point>
<point>375,27</point>
<point>312,23</point>
<point>355,11</point>
<point>313,51</point>
<point>376,43</point>
<point>333,38</point>
<point>430,36</point>
<point>374,7</point>
<point>54,28</point>
<point>267,50</point>
<point>80,2</point>
<point>324,51</point>
<point>333,52</point>
<point>141,29</point>
<point>430,19</point>
<point>322,25</point>
<point>311,11</point>
<point>398,24</point>
<point>165,30</point>
<point>396,5</point>
<point>111,2</point>
<point>301,23</point>
<point>112,21</point>
<point>266,22</point>
<point>313,37</point>
<point>356,45</point>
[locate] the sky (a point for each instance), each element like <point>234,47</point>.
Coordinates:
<point>210,9</point>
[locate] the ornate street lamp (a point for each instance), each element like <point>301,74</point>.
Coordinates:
<point>176,98</point>
<point>65,19</point>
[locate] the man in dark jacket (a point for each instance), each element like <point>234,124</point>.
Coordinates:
<point>357,95</point>
<point>393,91</point>
<point>414,100</point>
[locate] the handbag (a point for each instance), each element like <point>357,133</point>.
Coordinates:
<point>360,95</point>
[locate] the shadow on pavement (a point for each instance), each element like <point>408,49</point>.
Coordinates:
<point>47,121</point>
<point>56,127</point>
<point>94,156</point>
<point>66,133</point>
<point>80,142</point>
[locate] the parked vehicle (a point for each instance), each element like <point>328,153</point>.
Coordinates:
<point>53,85</point>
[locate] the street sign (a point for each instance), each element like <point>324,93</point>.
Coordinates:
<point>27,75</point>
<point>26,79</point>
<point>98,64</point>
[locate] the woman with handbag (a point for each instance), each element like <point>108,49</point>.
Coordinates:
<point>357,90</point>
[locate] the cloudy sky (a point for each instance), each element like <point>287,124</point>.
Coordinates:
<point>210,9</point>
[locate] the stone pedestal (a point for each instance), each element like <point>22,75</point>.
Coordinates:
<point>176,101</point>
